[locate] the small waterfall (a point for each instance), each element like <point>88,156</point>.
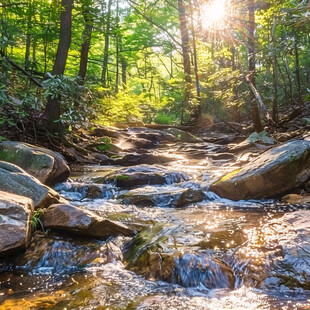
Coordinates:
<point>196,270</point>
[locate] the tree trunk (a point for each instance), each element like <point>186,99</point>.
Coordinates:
<point>185,54</point>
<point>117,48</point>
<point>52,111</point>
<point>274,73</point>
<point>106,47</point>
<point>86,44</point>
<point>251,55</point>
<point>297,71</point>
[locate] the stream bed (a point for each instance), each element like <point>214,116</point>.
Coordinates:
<point>182,258</point>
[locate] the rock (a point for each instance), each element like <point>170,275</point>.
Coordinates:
<point>282,255</point>
<point>79,191</point>
<point>47,166</point>
<point>162,196</point>
<point>15,223</point>
<point>82,222</point>
<point>61,253</point>
<point>138,159</point>
<point>16,181</point>
<point>142,175</point>
<point>296,199</point>
<point>153,135</point>
<point>272,174</point>
<point>155,254</point>
<point>183,136</point>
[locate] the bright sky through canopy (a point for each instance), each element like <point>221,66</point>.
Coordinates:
<point>213,14</point>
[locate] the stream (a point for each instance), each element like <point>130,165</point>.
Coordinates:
<point>183,257</point>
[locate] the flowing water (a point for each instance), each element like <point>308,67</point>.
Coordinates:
<point>183,258</point>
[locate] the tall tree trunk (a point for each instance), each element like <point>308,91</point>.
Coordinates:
<point>185,54</point>
<point>274,73</point>
<point>251,55</point>
<point>117,47</point>
<point>52,111</point>
<point>106,47</point>
<point>297,70</point>
<point>28,36</point>
<point>88,19</point>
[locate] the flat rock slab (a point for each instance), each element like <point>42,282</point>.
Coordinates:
<point>47,166</point>
<point>75,220</point>
<point>138,159</point>
<point>162,196</point>
<point>15,223</point>
<point>16,181</point>
<point>270,175</point>
<point>142,175</point>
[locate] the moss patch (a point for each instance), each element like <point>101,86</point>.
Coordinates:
<point>228,176</point>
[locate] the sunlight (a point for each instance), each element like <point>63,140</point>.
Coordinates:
<point>213,14</point>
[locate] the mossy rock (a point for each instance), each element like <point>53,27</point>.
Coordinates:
<point>271,175</point>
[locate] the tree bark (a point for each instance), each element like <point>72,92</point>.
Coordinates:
<point>88,19</point>
<point>52,110</point>
<point>106,47</point>
<point>186,54</point>
<point>297,70</point>
<point>251,55</point>
<point>275,116</point>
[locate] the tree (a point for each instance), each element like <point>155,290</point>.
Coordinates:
<point>52,111</point>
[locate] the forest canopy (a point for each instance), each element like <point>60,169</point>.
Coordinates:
<point>164,61</point>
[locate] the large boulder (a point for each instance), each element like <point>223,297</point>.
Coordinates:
<point>15,223</point>
<point>82,222</point>
<point>271,174</point>
<point>15,180</point>
<point>162,196</point>
<point>47,166</point>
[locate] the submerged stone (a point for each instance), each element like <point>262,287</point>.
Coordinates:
<point>162,196</point>
<point>156,255</point>
<point>281,256</point>
<point>271,174</point>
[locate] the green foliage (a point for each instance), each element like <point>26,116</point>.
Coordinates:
<point>163,119</point>
<point>35,221</point>
<point>76,104</point>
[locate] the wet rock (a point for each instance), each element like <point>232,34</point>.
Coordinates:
<point>156,255</point>
<point>15,223</point>
<point>15,180</point>
<point>142,175</point>
<point>138,159</point>
<point>273,173</point>
<point>296,199</point>
<point>156,136</point>
<point>162,196</point>
<point>47,166</point>
<point>183,136</point>
<point>79,191</point>
<point>82,222</point>
<point>282,255</point>
<point>222,156</point>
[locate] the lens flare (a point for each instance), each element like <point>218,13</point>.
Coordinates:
<point>214,14</point>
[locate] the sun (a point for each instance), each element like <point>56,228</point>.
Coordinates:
<point>214,15</point>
